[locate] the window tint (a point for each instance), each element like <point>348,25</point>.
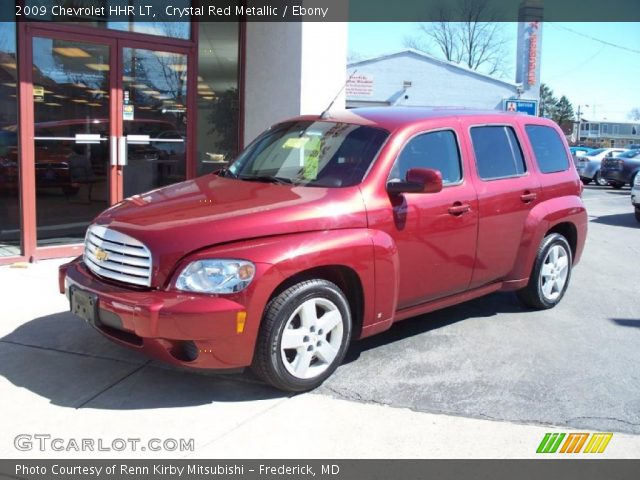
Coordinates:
<point>548,148</point>
<point>497,151</point>
<point>436,150</point>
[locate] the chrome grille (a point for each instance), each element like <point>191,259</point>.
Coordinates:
<point>111,254</point>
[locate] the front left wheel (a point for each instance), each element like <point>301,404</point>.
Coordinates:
<point>304,336</point>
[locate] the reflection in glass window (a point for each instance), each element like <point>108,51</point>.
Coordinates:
<point>71,127</point>
<point>436,150</point>
<point>548,148</point>
<point>9,186</point>
<point>218,103</point>
<point>155,98</point>
<point>497,151</point>
<point>121,21</point>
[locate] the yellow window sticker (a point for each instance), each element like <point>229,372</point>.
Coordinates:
<point>311,159</point>
<point>295,142</point>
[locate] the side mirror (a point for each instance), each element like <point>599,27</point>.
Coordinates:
<point>419,180</point>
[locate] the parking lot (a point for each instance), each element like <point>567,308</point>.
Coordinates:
<point>575,366</point>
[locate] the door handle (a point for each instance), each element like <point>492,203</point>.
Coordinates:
<point>459,208</point>
<point>528,197</point>
<point>122,151</point>
<point>114,151</point>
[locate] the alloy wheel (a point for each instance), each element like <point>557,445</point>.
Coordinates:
<point>311,338</point>
<point>554,272</point>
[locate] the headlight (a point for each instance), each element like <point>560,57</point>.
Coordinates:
<point>636,180</point>
<point>216,276</point>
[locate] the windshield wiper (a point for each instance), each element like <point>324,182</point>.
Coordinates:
<point>267,178</point>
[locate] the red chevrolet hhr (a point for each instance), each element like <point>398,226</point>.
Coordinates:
<point>331,228</point>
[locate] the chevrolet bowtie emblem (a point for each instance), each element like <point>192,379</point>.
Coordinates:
<point>101,255</point>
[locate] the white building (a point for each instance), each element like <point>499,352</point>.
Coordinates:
<point>414,78</point>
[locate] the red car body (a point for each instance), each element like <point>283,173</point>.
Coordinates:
<point>392,256</point>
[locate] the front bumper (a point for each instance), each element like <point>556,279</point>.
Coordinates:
<point>635,197</point>
<point>196,331</point>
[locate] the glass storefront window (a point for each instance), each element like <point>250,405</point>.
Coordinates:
<point>155,98</point>
<point>71,114</point>
<point>115,19</point>
<point>218,101</point>
<point>9,177</point>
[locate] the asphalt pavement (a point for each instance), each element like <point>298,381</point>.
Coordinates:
<point>574,365</point>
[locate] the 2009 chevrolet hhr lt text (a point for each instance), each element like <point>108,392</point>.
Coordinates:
<point>331,228</point>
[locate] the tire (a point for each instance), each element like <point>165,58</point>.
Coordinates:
<point>617,185</point>
<point>314,353</point>
<point>550,278</point>
<point>637,212</point>
<point>599,180</point>
<point>586,181</point>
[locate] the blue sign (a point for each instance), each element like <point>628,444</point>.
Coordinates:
<point>530,107</point>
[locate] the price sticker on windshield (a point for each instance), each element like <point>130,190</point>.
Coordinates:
<point>295,142</point>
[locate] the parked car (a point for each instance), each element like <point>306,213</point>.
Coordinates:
<point>580,151</point>
<point>635,196</point>
<point>621,170</point>
<point>329,229</point>
<point>588,166</point>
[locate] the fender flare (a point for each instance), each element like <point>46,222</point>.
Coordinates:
<point>541,219</point>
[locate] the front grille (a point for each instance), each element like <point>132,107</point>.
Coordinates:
<point>114,255</point>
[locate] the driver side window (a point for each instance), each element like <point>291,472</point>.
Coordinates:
<point>435,150</point>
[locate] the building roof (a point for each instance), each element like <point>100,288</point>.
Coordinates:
<point>425,56</point>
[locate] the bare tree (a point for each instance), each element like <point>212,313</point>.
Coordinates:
<point>476,40</point>
<point>634,114</point>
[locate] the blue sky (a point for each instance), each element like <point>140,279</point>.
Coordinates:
<point>588,72</point>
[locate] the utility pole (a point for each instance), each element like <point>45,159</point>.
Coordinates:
<point>579,114</point>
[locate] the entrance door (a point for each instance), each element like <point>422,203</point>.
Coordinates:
<point>152,119</point>
<point>109,120</point>
<point>72,94</point>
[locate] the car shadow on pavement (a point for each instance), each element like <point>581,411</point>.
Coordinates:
<point>618,220</point>
<point>626,322</point>
<point>61,358</point>
<point>488,306</point>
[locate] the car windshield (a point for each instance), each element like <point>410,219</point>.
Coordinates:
<point>310,153</point>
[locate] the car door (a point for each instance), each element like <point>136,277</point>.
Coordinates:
<point>435,233</point>
<point>507,191</point>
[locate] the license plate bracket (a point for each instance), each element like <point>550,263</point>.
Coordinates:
<point>84,305</point>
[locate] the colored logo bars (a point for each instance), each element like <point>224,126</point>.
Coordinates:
<point>574,443</point>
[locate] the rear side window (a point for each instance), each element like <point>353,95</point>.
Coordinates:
<point>498,153</point>
<point>548,148</point>
<point>436,150</point>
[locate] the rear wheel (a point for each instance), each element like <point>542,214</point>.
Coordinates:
<point>599,180</point>
<point>551,274</point>
<point>617,185</point>
<point>304,336</point>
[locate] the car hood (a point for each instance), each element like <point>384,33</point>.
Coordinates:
<point>179,219</point>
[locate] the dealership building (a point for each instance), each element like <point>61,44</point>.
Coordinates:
<point>95,111</point>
